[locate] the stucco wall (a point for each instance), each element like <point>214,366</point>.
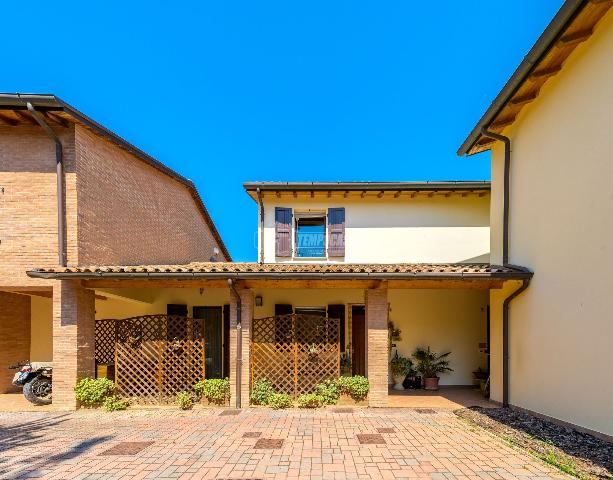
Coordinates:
<point>419,230</point>
<point>446,320</point>
<point>561,227</point>
<point>122,303</point>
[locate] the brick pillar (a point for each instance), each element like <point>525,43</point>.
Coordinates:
<point>14,336</point>
<point>247,304</point>
<point>377,354</point>
<point>73,340</point>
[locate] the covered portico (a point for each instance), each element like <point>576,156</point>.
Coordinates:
<point>251,291</point>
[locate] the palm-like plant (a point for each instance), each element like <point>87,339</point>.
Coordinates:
<point>430,364</point>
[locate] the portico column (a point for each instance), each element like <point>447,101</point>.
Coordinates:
<point>377,344</point>
<point>247,304</point>
<point>73,340</point>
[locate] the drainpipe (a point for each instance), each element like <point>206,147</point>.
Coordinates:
<point>59,169</point>
<point>505,260</point>
<point>239,343</point>
<point>261,224</point>
<point>505,340</point>
<point>506,187</point>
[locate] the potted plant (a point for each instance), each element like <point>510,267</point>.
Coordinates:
<point>393,336</point>
<point>430,364</point>
<point>400,367</point>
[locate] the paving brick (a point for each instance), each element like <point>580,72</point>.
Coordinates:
<point>61,446</point>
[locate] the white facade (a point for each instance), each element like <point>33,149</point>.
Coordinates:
<point>442,228</point>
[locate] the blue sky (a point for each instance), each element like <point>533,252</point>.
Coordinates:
<point>232,91</point>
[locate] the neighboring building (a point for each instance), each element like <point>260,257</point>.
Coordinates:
<point>121,206</point>
<point>556,112</point>
<point>370,222</point>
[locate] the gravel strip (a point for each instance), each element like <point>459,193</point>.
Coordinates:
<point>576,453</point>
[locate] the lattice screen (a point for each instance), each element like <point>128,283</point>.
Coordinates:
<point>295,352</point>
<point>157,356</point>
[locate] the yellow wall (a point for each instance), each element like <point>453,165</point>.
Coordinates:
<point>137,302</point>
<point>561,227</point>
<point>419,230</point>
<point>446,320</point>
<point>41,343</point>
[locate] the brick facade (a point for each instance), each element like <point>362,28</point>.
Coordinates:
<point>377,345</point>
<point>131,213</point>
<point>73,340</point>
<point>28,202</point>
<point>119,210</point>
<point>14,335</point>
<point>247,312</point>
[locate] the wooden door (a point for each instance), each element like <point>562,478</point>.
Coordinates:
<point>213,327</point>
<point>358,341</point>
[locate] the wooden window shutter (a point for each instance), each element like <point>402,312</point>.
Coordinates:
<point>283,232</point>
<point>336,232</point>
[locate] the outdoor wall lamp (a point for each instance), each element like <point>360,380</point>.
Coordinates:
<point>259,301</point>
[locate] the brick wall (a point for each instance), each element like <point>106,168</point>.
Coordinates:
<point>28,202</point>
<point>247,306</point>
<point>131,213</point>
<point>377,347</point>
<point>73,340</point>
<point>14,335</point>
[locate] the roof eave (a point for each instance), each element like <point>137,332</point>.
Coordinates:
<point>545,42</point>
<point>49,101</point>
<point>517,275</point>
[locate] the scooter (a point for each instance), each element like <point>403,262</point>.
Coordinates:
<point>35,378</point>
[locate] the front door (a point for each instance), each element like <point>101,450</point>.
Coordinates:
<point>213,346</point>
<point>358,340</point>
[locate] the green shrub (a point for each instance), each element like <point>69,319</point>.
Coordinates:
<point>279,400</point>
<point>310,400</point>
<point>115,402</point>
<point>185,400</point>
<point>356,387</point>
<point>261,392</point>
<point>91,392</point>
<point>328,390</point>
<point>215,390</point>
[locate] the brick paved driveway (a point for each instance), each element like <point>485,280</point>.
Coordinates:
<point>323,444</point>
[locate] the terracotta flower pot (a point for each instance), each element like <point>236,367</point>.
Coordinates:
<point>431,383</point>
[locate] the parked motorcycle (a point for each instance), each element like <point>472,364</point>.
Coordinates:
<point>35,378</point>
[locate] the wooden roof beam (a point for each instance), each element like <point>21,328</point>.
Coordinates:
<point>26,117</point>
<point>575,38</point>
<point>545,72</point>
<point>8,120</point>
<point>523,99</point>
<point>380,194</point>
<point>502,123</point>
<point>56,119</point>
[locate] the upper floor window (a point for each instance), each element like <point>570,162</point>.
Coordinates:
<point>310,236</point>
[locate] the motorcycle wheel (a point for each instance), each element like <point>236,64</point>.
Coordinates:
<point>38,391</point>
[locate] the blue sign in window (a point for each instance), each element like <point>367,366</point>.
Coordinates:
<point>310,237</point>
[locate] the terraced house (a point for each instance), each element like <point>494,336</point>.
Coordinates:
<point>73,193</point>
<point>510,276</point>
<point>549,133</point>
<point>337,262</point>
